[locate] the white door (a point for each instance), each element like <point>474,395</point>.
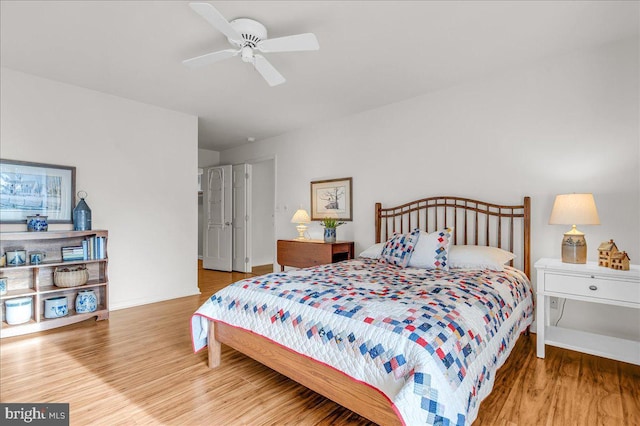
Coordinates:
<point>216,252</point>
<point>241,220</point>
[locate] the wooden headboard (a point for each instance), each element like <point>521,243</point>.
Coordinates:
<point>475,222</point>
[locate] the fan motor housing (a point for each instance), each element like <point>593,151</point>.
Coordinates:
<point>252,32</point>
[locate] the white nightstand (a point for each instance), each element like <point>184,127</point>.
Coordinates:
<point>590,283</point>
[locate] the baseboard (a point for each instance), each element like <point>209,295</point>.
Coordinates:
<point>146,301</point>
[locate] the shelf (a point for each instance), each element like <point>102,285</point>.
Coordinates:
<point>47,324</point>
<point>36,281</point>
<point>50,264</point>
<point>12,294</point>
<point>6,326</point>
<point>55,289</point>
<point>594,344</point>
<point>73,315</point>
<point>49,235</point>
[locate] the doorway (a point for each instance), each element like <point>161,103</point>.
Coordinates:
<point>259,205</point>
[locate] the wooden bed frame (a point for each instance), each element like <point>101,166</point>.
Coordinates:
<point>475,222</point>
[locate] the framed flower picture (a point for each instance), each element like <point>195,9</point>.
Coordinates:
<point>332,199</point>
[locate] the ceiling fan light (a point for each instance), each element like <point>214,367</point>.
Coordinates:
<point>247,54</point>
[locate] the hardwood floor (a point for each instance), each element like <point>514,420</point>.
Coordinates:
<point>138,368</point>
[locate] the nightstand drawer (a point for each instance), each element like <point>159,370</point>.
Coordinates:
<point>593,287</point>
<point>308,253</point>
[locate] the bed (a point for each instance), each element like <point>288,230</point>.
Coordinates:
<point>394,343</point>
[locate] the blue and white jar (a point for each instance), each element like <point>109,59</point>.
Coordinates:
<point>86,301</point>
<point>18,310</point>
<point>3,286</point>
<point>37,223</point>
<point>55,307</point>
<point>329,235</point>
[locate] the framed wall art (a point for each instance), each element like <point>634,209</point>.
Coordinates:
<point>34,188</point>
<point>332,198</point>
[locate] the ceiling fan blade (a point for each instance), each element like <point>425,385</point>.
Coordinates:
<point>210,58</point>
<point>267,71</point>
<point>293,43</point>
<point>216,19</point>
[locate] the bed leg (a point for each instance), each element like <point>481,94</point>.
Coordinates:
<point>214,346</point>
<point>527,330</point>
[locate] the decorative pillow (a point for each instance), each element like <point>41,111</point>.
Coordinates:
<point>397,251</point>
<point>373,252</point>
<point>432,249</point>
<point>479,257</point>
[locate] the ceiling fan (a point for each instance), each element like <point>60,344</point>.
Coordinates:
<point>247,36</point>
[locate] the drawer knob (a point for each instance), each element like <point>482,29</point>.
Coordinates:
<point>593,287</point>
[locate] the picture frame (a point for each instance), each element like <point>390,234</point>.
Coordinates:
<point>27,189</point>
<point>332,198</point>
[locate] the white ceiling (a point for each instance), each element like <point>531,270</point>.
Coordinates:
<point>372,53</point>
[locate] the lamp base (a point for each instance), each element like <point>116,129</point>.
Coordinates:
<point>301,228</point>
<point>574,248</point>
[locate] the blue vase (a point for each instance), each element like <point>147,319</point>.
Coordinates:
<point>37,223</point>
<point>86,301</point>
<point>329,235</point>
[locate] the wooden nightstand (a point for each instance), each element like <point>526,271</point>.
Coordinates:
<point>590,283</point>
<point>306,253</point>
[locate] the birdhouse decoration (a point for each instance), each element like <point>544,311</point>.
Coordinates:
<point>620,261</point>
<point>610,257</point>
<point>605,251</point>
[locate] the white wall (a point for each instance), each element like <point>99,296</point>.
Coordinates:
<point>206,157</point>
<point>567,124</point>
<point>262,208</point>
<point>137,163</point>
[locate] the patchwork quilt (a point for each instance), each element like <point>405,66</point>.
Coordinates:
<point>429,340</point>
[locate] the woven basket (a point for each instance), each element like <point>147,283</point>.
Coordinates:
<point>70,277</point>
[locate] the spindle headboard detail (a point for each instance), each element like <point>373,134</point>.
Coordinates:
<point>474,222</point>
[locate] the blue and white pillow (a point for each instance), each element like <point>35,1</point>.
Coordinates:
<point>398,250</point>
<point>432,250</point>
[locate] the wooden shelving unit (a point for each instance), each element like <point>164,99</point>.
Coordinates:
<point>36,281</point>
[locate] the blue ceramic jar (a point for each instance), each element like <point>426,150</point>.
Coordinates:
<point>18,310</point>
<point>86,302</point>
<point>55,307</point>
<point>37,223</point>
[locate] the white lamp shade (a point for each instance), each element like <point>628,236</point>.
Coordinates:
<point>574,209</point>
<point>301,216</point>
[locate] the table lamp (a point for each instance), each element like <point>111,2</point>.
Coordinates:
<point>301,217</point>
<point>574,209</point>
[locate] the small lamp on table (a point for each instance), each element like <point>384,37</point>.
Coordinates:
<point>301,217</point>
<point>574,209</point>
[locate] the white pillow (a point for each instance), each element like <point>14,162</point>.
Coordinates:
<point>479,257</point>
<point>432,249</point>
<point>373,252</point>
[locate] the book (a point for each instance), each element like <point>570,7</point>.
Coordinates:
<point>72,253</point>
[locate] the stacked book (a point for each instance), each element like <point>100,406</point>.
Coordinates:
<point>94,248</point>
<point>72,253</point>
